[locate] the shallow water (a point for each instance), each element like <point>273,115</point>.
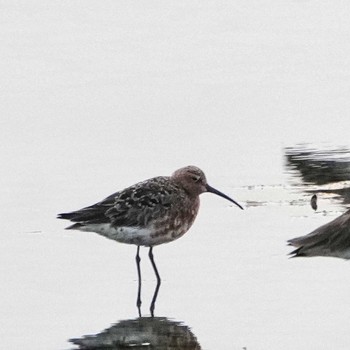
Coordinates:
<point>100,96</point>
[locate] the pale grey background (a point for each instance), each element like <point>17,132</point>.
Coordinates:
<point>96,95</point>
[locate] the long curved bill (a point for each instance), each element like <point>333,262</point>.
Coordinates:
<point>223,195</point>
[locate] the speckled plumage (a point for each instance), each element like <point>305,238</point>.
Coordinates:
<point>149,213</point>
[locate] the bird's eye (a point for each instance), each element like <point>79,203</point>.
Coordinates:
<point>195,178</point>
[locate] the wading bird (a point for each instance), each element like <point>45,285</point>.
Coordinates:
<point>332,239</point>
<point>149,213</point>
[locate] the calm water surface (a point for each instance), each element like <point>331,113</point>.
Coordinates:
<point>227,284</point>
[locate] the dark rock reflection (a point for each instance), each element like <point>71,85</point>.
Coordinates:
<point>319,168</point>
<point>158,333</point>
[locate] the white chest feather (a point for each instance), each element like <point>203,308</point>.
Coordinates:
<point>130,235</point>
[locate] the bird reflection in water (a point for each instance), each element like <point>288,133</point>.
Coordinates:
<point>325,171</point>
<point>158,333</point>
<point>328,171</point>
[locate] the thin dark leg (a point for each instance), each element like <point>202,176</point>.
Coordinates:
<point>150,254</point>
<point>138,259</point>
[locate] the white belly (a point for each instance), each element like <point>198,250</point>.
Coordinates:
<point>131,235</point>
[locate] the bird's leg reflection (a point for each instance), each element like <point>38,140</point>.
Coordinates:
<point>150,254</point>
<point>138,259</point>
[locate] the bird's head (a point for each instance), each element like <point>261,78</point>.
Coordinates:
<point>193,180</point>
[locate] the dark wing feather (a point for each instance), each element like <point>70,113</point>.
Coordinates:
<point>325,240</point>
<point>94,214</point>
<point>138,205</point>
<point>133,206</point>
